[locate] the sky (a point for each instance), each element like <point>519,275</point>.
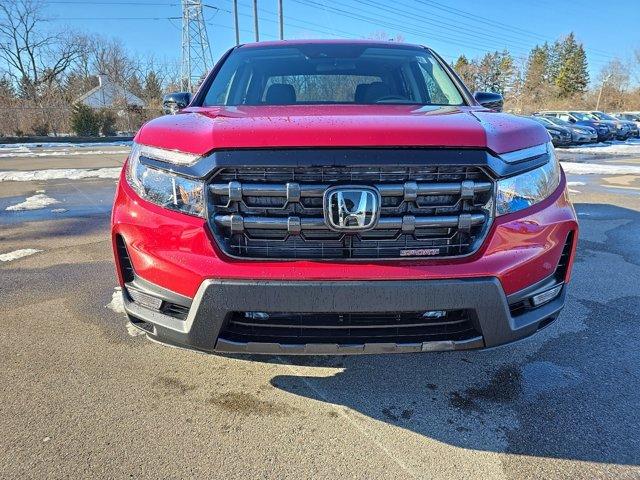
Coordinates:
<point>608,29</point>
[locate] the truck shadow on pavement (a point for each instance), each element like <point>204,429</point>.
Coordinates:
<point>570,392</point>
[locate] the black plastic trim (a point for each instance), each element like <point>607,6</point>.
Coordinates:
<point>216,299</point>
<point>327,157</point>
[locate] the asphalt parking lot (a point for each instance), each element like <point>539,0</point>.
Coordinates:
<point>83,396</point>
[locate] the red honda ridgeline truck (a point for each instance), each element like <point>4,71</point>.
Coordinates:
<point>346,197</point>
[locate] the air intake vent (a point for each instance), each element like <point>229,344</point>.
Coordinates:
<point>349,328</point>
<point>563,264</point>
<point>124,260</point>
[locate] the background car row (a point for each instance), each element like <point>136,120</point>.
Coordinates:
<point>576,127</point>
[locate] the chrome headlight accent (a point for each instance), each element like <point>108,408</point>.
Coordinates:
<point>162,187</point>
<point>524,190</point>
<point>169,156</point>
<point>525,153</point>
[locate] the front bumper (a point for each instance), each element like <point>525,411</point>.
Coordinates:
<point>495,319</point>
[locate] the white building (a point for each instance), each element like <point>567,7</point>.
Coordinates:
<point>109,94</point>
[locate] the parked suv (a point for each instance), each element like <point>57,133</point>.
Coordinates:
<point>342,197</point>
<point>623,128</point>
<point>606,130</point>
<point>560,136</point>
<point>579,133</point>
<point>634,121</point>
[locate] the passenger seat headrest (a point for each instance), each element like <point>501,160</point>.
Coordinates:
<point>280,94</point>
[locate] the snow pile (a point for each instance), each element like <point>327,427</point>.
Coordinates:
<point>599,169</point>
<point>34,203</point>
<point>16,254</point>
<point>117,305</point>
<point>59,173</point>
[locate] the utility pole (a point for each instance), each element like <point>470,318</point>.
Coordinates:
<point>235,21</point>
<point>604,80</point>
<point>281,20</point>
<point>196,53</point>
<point>255,19</point>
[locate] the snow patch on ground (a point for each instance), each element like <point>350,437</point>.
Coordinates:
<point>58,210</point>
<point>576,184</point>
<point>35,202</point>
<point>16,254</point>
<point>629,147</point>
<point>117,305</point>
<point>599,169</point>
<point>58,174</point>
<point>133,331</point>
<point>26,146</point>
<point>56,153</point>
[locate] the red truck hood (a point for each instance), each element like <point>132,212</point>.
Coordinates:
<point>199,130</point>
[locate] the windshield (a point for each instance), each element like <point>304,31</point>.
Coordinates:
<point>542,120</point>
<point>559,121</point>
<point>603,116</point>
<point>583,117</point>
<point>331,74</point>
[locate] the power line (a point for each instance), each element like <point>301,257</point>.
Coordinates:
<point>374,19</point>
<point>495,23</point>
<point>401,28</point>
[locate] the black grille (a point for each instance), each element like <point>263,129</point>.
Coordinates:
<point>277,212</point>
<point>348,328</point>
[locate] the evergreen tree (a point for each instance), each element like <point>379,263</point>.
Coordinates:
<point>507,72</point>
<point>152,92</point>
<point>7,92</point>
<point>537,78</point>
<point>573,74</point>
<point>467,72</point>
<point>496,72</point>
<point>134,86</point>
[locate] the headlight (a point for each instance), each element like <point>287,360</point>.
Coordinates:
<point>527,189</point>
<point>162,187</point>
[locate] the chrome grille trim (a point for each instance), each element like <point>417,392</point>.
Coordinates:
<point>294,225</point>
<point>427,211</point>
<point>293,191</point>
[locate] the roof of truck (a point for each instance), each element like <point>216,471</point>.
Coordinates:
<point>372,43</point>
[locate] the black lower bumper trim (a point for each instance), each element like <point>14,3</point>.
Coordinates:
<point>216,300</point>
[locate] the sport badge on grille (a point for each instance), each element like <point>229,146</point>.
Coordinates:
<point>351,208</point>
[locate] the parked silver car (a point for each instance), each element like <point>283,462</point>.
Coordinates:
<point>579,133</point>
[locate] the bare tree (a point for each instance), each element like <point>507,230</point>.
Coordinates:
<point>34,57</point>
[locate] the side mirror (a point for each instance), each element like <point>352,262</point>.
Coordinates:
<point>572,120</point>
<point>494,101</point>
<point>172,103</point>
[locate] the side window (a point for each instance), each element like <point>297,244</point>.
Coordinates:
<point>435,78</point>
<point>565,117</point>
